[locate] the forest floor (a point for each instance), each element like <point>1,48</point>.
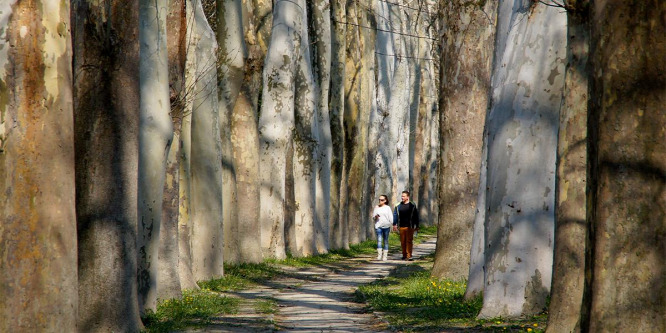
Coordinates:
<point>314,299</point>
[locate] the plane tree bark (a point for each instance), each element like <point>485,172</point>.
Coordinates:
<point>206,150</point>
<point>38,245</point>
<point>106,123</point>
<point>155,135</point>
<point>528,78</point>
<point>276,124</point>
<point>626,275</point>
<point>570,192</point>
<point>466,64</point>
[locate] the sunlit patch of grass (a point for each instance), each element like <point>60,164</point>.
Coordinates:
<point>266,306</point>
<point>195,308</point>
<point>420,300</point>
<point>241,276</point>
<point>412,300</point>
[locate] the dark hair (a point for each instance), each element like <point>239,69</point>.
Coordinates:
<point>385,197</point>
<point>406,192</point>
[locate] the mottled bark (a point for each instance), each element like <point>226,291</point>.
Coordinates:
<point>305,141</point>
<point>276,123</point>
<point>205,151</point>
<point>245,143</point>
<point>570,210</point>
<point>155,135</point>
<point>626,276</point>
<point>185,228</point>
<point>337,110</point>
<point>38,276</point>
<point>424,20</point>
<point>387,115</point>
<point>168,277</point>
<point>528,78</point>
<point>356,119</point>
<point>231,60</point>
<point>320,23</point>
<point>468,39</point>
<point>106,109</point>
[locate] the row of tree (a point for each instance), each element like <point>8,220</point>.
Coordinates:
<point>557,110</point>
<point>145,144</point>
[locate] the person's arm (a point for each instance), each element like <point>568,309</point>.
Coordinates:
<point>395,218</point>
<point>415,219</point>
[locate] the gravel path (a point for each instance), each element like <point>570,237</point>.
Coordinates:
<point>318,299</point>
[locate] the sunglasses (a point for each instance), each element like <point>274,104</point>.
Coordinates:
<point>382,199</point>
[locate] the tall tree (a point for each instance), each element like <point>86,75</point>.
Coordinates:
<point>360,43</point>
<point>467,43</point>
<point>245,139</point>
<point>230,67</point>
<point>155,135</point>
<point>337,110</point>
<point>626,276</point>
<point>528,78</point>
<point>277,122</point>
<point>206,192</point>
<point>106,120</point>
<point>38,243</point>
<point>305,141</point>
<point>168,277</point>
<point>320,25</point>
<point>570,210</point>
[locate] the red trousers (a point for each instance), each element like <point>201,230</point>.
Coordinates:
<point>406,242</point>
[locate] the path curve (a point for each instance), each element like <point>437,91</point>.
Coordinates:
<point>323,304</point>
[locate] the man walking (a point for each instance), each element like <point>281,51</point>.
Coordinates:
<point>406,217</point>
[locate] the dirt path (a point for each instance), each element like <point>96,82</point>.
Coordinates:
<point>318,299</point>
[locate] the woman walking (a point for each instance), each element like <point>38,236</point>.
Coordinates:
<point>383,221</point>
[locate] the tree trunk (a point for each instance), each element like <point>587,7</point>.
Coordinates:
<point>231,60</point>
<point>106,108</point>
<point>206,152</point>
<point>527,88</point>
<point>305,141</point>
<point>155,135</point>
<point>467,56</point>
<point>627,122</point>
<point>37,234</point>
<point>320,20</point>
<point>245,143</point>
<point>477,259</point>
<point>276,124</point>
<point>357,112</point>
<point>185,227</point>
<point>570,225</point>
<point>381,123</point>
<point>168,277</point>
<point>337,110</point>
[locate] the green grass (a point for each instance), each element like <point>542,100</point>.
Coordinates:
<point>242,276</point>
<point>195,308</point>
<point>266,306</point>
<point>412,300</point>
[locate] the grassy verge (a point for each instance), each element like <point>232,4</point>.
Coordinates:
<point>194,309</point>
<point>412,300</point>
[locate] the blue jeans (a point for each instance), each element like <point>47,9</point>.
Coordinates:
<point>382,235</point>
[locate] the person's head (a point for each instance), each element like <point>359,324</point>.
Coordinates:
<point>383,200</point>
<point>405,196</point>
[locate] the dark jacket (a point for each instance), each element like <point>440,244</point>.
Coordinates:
<point>406,216</point>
